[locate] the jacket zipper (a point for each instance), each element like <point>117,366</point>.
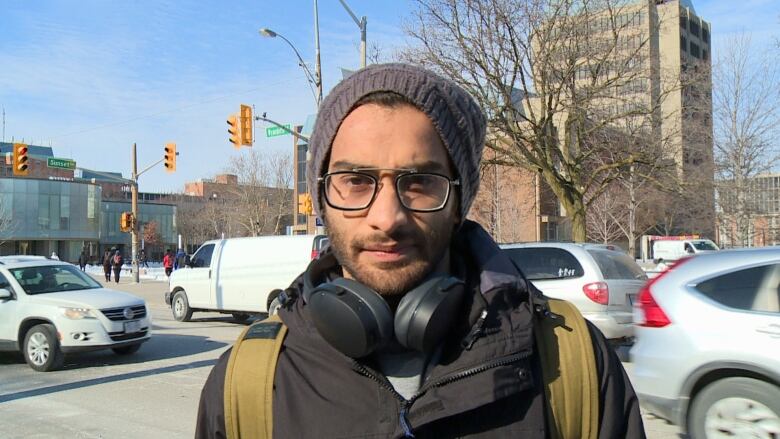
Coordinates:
<point>447,379</point>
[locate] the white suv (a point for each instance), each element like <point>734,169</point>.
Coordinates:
<point>50,308</point>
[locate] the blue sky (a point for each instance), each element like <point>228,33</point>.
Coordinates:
<point>90,77</point>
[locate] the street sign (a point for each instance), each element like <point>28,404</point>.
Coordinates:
<point>54,162</point>
<point>277,131</point>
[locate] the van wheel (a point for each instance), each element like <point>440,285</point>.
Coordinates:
<point>42,349</point>
<point>181,307</point>
<point>736,407</point>
<point>241,317</point>
<point>274,304</point>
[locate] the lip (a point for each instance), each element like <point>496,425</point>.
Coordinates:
<point>388,253</point>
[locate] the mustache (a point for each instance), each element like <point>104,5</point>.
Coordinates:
<point>383,239</point>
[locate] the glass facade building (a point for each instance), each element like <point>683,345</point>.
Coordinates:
<point>163,215</point>
<point>41,217</point>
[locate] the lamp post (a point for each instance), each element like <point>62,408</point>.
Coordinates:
<point>362,25</point>
<point>313,78</point>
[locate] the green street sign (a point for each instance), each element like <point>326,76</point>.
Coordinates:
<point>277,131</point>
<point>54,162</point>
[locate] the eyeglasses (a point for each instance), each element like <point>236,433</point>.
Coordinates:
<point>417,191</point>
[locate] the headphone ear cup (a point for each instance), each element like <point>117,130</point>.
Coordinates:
<point>425,314</point>
<point>351,317</point>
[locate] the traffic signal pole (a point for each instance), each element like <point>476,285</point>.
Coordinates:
<point>134,224</point>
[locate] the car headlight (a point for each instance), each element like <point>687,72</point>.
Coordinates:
<point>77,313</point>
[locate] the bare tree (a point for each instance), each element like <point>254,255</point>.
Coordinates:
<point>746,108</point>
<point>556,78</point>
<point>262,198</point>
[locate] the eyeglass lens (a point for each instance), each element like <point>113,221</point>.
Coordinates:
<point>417,191</point>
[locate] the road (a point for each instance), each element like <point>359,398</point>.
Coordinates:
<point>153,393</point>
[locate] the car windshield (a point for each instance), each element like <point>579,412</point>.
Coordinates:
<point>705,245</point>
<point>52,279</point>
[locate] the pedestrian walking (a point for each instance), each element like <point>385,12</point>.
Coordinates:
<point>181,259</point>
<point>413,323</point>
<point>54,256</point>
<point>168,261</point>
<point>117,261</point>
<point>142,260</point>
<point>83,260</point>
<point>107,265</point>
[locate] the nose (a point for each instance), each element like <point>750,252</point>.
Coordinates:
<point>386,212</point>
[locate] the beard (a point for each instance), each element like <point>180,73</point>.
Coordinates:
<point>391,279</point>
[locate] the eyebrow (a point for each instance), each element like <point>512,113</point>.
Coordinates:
<point>426,166</point>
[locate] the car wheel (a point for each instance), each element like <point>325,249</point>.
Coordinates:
<point>241,317</point>
<point>127,350</point>
<point>42,349</point>
<point>736,407</point>
<point>274,303</point>
<point>181,307</point>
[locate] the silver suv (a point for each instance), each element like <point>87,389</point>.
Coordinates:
<point>601,283</point>
<point>49,308</point>
<point>707,352</point>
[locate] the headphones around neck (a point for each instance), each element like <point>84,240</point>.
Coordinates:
<point>357,321</point>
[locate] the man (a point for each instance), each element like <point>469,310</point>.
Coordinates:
<point>117,261</point>
<point>394,167</point>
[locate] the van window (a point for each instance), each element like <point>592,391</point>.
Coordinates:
<point>615,265</point>
<point>202,258</point>
<point>752,289</point>
<point>704,245</point>
<point>545,263</point>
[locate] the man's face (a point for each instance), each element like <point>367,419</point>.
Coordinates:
<point>385,246</point>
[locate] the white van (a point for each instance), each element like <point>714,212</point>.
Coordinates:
<point>672,250</point>
<point>240,276</point>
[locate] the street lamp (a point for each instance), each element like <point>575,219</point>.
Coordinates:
<point>313,78</point>
<point>362,25</point>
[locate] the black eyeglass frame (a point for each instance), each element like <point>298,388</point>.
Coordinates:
<point>398,176</point>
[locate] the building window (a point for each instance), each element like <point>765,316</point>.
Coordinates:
<point>705,35</point>
<point>704,54</point>
<point>683,43</point>
<point>694,27</point>
<point>684,22</point>
<point>695,50</point>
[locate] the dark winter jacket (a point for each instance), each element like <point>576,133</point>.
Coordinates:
<point>491,389</point>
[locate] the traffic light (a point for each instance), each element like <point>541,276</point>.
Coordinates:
<point>126,221</point>
<point>304,204</point>
<point>21,165</point>
<point>170,157</point>
<point>245,122</point>
<point>234,130</point>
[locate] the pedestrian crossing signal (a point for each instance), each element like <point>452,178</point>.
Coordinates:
<point>21,162</point>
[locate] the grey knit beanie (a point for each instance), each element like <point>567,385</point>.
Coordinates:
<point>454,113</point>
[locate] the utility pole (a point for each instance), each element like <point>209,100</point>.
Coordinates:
<point>134,209</point>
<point>317,66</point>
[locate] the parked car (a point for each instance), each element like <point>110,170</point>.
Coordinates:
<point>667,250</point>
<point>50,308</point>
<point>707,352</point>
<point>600,282</point>
<point>240,276</point>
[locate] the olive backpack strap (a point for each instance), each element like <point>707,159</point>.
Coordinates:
<point>249,380</point>
<point>569,372</point>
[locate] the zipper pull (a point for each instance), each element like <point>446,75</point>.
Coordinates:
<point>405,422</point>
<point>475,332</point>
